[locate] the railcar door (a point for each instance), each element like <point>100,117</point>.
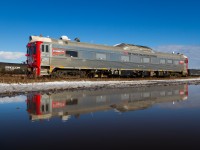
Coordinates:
<point>45,55</point>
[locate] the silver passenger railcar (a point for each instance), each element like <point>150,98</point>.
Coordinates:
<point>62,57</point>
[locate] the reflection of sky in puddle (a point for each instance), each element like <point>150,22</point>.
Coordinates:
<point>16,99</point>
<point>106,117</point>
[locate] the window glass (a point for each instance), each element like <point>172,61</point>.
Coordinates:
<point>30,51</point>
<point>27,51</point>
<point>169,93</point>
<point>34,50</point>
<point>146,60</point>
<point>47,48</point>
<point>86,55</point>
<point>42,48</point>
<point>101,56</point>
<point>71,54</point>
<point>42,108</point>
<point>162,93</point>
<point>135,58</point>
<point>114,57</point>
<point>47,107</point>
<point>169,61</point>
<point>146,94</point>
<point>176,62</point>
<point>125,58</point>
<point>154,60</point>
<point>162,61</point>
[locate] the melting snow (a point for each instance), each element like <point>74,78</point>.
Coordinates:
<point>28,87</point>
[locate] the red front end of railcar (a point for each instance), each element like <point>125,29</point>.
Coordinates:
<point>34,58</point>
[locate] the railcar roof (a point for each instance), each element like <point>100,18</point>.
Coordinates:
<point>118,47</point>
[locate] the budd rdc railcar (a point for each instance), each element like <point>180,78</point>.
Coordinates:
<point>63,57</point>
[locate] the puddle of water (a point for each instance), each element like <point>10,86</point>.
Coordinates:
<point>104,117</point>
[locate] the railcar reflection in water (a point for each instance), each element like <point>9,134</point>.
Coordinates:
<point>74,103</point>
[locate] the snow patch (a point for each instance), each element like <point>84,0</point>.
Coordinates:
<point>44,86</point>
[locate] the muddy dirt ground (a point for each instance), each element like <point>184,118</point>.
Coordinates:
<point>24,79</point>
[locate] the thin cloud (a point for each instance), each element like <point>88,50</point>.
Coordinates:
<point>177,48</point>
<point>16,99</point>
<point>191,51</point>
<point>11,55</point>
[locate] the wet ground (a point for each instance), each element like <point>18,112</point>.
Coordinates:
<point>39,85</point>
<point>155,116</point>
<point>24,79</point>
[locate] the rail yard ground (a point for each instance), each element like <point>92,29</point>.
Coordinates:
<point>10,85</point>
<point>11,79</point>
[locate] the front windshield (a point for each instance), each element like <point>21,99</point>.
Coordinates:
<point>31,50</point>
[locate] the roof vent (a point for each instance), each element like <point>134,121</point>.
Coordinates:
<point>77,39</point>
<point>65,38</point>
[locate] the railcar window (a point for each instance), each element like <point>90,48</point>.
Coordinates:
<point>33,50</point>
<point>176,62</point>
<point>125,58</point>
<point>162,93</point>
<point>108,56</point>
<point>146,94</point>
<point>86,55</point>
<point>169,61</point>
<point>169,93</point>
<point>162,61</point>
<point>28,51</point>
<point>71,54</point>
<point>114,57</point>
<point>100,56</point>
<point>42,48</point>
<point>135,58</point>
<point>176,92</point>
<point>42,108</point>
<point>154,60</point>
<point>47,107</point>
<point>47,48</point>
<point>146,60</point>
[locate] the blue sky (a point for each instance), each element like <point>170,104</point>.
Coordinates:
<point>153,23</point>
